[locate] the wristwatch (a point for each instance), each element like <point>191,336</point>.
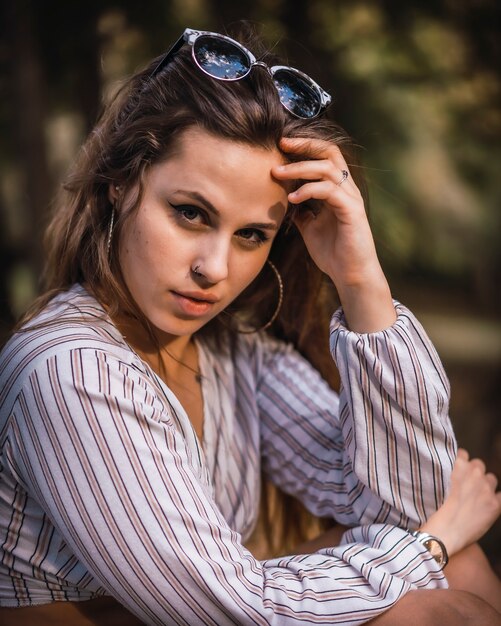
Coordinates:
<point>434,546</point>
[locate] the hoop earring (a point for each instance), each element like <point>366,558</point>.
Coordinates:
<point>279,303</point>
<point>110,232</point>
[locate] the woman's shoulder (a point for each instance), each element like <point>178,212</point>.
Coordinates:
<point>72,315</point>
<point>72,320</point>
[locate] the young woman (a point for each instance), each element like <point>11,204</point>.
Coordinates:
<point>161,374</point>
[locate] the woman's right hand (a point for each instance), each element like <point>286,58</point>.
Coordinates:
<point>338,235</point>
<point>470,509</point>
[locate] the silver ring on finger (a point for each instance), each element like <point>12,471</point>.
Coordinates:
<point>344,176</point>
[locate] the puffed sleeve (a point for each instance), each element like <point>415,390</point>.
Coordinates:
<point>100,450</point>
<point>382,451</point>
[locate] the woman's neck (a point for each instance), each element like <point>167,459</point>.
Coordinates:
<point>150,344</point>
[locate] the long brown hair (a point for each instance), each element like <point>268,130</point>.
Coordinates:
<point>139,128</point>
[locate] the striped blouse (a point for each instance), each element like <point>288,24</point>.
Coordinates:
<point>106,489</point>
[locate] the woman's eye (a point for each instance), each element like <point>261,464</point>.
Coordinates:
<point>188,213</point>
<point>252,236</point>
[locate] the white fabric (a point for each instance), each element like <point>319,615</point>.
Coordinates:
<point>105,489</point>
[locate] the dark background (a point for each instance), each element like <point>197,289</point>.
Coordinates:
<point>417,85</point>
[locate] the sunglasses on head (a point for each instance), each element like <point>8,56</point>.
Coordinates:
<point>225,59</point>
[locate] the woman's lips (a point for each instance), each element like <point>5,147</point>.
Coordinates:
<point>191,306</point>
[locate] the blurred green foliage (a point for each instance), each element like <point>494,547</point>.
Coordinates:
<point>417,85</point>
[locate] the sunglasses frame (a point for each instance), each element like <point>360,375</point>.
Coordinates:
<point>190,36</point>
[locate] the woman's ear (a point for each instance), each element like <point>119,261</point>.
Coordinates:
<point>113,192</point>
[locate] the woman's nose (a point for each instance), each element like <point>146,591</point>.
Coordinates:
<point>212,261</point>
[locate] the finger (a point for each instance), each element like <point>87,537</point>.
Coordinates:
<point>478,464</point>
<point>319,190</point>
<point>492,480</point>
<point>313,149</point>
<point>307,170</point>
<point>463,454</point>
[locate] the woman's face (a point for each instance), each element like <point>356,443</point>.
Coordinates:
<point>212,206</point>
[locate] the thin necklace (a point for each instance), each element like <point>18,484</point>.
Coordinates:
<point>198,375</point>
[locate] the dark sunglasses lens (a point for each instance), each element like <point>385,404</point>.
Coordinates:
<point>296,94</point>
<point>220,58</point>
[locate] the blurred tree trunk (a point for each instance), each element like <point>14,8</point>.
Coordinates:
<point>29,116</point>
<point>312,55</point>
<point>79,54</point>
<point>88,70</point>
<point>225,12</point>
<point>315,60</point>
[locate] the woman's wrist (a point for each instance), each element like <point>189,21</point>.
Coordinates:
<point>446,535</point>
<point>368,307</point>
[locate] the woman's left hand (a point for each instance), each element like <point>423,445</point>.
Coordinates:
<point>337,235</point>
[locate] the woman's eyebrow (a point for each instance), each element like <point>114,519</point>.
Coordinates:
<point>263,225</point>
<point>195,195</point>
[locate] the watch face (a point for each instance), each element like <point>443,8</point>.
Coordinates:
<point>434,546</point>
<point>435,549</point>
